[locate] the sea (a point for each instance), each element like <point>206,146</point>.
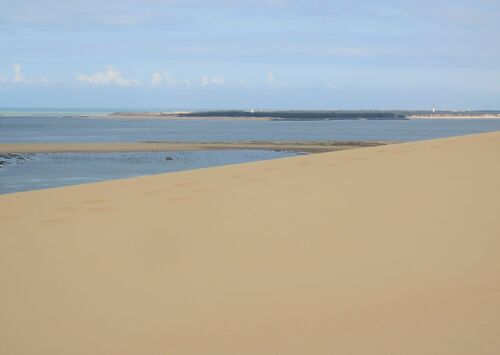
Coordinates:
<point>48,170</point>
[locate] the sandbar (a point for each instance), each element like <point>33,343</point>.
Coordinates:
<point>308,147</point>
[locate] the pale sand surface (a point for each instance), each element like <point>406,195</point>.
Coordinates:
<point>454,117</point>
<point>312,147</point>
<point>385,250</point>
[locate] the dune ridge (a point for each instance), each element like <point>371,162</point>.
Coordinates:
<point>384,250</point>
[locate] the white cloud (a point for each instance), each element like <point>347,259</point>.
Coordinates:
<point>18,74</point>
<point>164,78</point>
<point>244,83</point>
<point>270,78</point>
<point>205,80</point>
<point>110,76</point>
<point>18,77</point>
<point>216,80</point>
<point>156,78</point>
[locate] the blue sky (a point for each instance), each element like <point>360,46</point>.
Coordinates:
<point>238,54</point>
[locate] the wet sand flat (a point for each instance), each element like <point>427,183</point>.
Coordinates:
<point>384,250</point>
<point>309,147</point>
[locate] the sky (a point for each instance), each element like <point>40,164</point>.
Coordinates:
<point>262,54</point>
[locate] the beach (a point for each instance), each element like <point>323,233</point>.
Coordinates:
<point>391,249</point>
<point>451,116</point>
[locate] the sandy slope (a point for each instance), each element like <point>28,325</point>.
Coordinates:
<point>385,250</point>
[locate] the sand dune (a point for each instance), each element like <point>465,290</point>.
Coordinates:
<point>385,250</point>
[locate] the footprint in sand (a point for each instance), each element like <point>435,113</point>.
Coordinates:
<point>252,181</point>
<point>304,163</point>
<point>206,190</point>
<point>333,165</point>
<point>153,192</point>
<point>53,222</point>
<point>179,199</point>
<point>65,209</point>
<point>100,209</point>
<point>291,173</point>
<point>241,176</point>
<point>92,202</point>
<point>266,170</point>
<point>185,184</point>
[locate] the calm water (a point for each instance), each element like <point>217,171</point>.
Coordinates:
<point>51,170</point>
<point>39,171</point>
<point>46,129</point>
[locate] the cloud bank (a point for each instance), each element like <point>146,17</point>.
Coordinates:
<point>18,74</point>
<point>270,78</point>
<point>216,80</point>
<point>18,77</point>
<point>110,76</point>
<point>162,77</point>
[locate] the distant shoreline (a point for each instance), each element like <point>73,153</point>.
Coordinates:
<point>263,115</point>
<point>454,117</point>
<point>305,115</point>
<point>178,116</point>
<point>305,147</point>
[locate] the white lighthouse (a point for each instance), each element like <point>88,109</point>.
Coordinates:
<point>433,108</point>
